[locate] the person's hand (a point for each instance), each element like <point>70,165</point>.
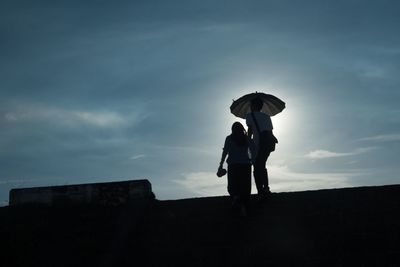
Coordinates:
<point>221,171</point>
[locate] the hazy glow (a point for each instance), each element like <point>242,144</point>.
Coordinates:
<point>284,123</point>
<point>142,90</point>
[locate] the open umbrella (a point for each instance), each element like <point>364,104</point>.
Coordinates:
<point>272,104</point>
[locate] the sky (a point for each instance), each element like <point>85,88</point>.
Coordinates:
<point>101,91</point>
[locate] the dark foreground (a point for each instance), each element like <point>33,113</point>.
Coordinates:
<point>341,227</point>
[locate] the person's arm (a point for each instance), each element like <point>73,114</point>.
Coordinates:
<point>224,154</point>
<point>249,128</point>
<point>249,131</point>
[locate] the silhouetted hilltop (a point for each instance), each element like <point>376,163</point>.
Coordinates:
<point>337,227</point>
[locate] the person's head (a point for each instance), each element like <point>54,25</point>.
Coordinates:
<point>256,104</point>
<point>238,128</point>
<point>238,133</point>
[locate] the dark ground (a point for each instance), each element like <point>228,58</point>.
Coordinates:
<point>341,227</point>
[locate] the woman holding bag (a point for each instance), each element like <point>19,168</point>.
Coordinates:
<point>239,167</point>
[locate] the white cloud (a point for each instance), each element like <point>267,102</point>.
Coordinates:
<point>102,119</point>
<point>382,138</point>
<point>204,183</point>
<point>221,28</point>
<point>135,157</point>
<point>17,181</point>
<point>282,178</point>
<point>11,116</point>
<point>64,116</point>
<point>323,154</point>
<point>186,149</point>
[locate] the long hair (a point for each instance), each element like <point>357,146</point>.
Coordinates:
<point>239,134</point>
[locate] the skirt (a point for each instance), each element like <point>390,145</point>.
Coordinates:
<point>239,180</point>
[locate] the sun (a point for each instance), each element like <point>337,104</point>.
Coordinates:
<point>282,123</point>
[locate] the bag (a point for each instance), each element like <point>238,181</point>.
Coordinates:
<point>267,138</point>
<point>221,172</point>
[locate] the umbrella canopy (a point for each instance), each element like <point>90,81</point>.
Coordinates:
<point>272,105</point>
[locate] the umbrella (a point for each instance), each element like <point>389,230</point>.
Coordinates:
<point>272,104</point>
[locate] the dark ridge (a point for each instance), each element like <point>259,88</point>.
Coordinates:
<point>336,227</point>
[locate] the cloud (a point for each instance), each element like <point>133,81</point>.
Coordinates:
<point>281,179</point>
<point>186,149</point>
<point>136,157</point>
<point>323,154</point>
<point>102,119</point>
<point>382,138</point>
<point>203,183</point>
<point>64,116</point>
<point>17,181</point>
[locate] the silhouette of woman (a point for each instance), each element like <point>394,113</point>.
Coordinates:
<point>239,167</point>
<point>260,126</point>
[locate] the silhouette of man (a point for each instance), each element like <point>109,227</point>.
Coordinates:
<point>260,127</point>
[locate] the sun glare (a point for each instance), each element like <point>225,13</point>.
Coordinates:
<point>282,123</point>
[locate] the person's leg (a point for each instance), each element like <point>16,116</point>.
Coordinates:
<point>239,187</point>
<point>243,187</point>
<point>244,181</point>
<point>265,173</point>
<point>233,184</point>
<point>230,174</point>
<point>246,184</point>
<point>257,172</point>
<point>260,172</point>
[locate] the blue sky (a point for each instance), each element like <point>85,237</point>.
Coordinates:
<point>96,91</point>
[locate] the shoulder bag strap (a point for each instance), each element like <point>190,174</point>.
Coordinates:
<point>255,121</point>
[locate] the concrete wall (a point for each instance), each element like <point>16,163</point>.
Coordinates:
<point>108,194</point>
